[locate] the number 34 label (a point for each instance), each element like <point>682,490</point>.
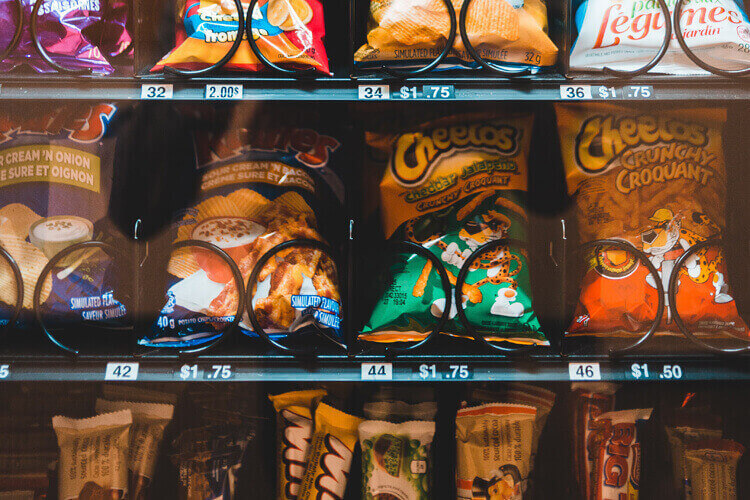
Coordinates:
<point>584,371</point>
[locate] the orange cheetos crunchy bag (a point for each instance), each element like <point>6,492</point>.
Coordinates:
<point>657,181</point>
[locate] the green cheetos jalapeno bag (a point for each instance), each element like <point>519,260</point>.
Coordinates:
<point>451,186</point>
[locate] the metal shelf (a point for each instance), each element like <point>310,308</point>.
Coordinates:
<point>467,88</point>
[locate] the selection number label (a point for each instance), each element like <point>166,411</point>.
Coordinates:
<point>121,372</point>
<point>374,92</point>
<point>4,372</point>
<point>157,91</point>
<point>376,371</point>
<point>575,92</point>
<point>584,371</point>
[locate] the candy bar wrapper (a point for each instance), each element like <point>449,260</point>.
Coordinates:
<point>396,459</point>
<point>294,429</point>
<point>712,469</point>
<point>589,402</point>
<point>146,434</point>
<point>330,456</point>
<point>618,462</point>
<point>687,430</point>
<point>93,456</point>
<point>493,450</point>
<point>400,411</point>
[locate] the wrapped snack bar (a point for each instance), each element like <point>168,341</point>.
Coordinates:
<point>712,469</point>
<point>685,428</point>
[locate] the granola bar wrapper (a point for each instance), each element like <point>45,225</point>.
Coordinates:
<point>396,459</point>
<point>257,188</point>
<point>146,435</point>
<point>493,450</point>
<point>330,455</point>
<point>452,186</point>
<point>683,429</point>
<point>618,462</point>
<point>657,181</point>
<point>589,402</point>
<point>288,32</point>
<point>294,431</point>
<point>400,411</point>
<point>712,469</point>
<point>93,456</point>
<point>411,33</point>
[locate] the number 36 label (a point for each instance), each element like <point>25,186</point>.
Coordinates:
<point>584,371</point>
<point>575,92</point>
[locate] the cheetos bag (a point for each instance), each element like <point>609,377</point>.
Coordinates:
<point>658,182</point>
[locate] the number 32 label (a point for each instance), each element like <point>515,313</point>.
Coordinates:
<point>584,371</point>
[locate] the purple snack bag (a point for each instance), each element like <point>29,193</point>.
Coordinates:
<point>64,29</point>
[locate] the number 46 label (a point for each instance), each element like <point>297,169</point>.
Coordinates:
<point>584,371</point>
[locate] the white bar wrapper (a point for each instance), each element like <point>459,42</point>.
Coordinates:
<point>149,422</point>
<point>625,35</point>
<point>618,464</point>
<point>93,455</point>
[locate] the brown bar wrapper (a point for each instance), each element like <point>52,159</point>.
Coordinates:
<point>712,469</point>
<point>146,434</point>
<point>493,450</point>
<point>294,430</point>
<point>684,427</point>
<point>93,456</point>
<point>589,401</point>
<point>330,456</point>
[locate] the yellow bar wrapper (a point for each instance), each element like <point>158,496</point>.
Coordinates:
<point>330,455</point>
<point>294,428</point>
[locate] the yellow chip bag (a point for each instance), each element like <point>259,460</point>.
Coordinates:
<point>408,33</point>
<point>330,456</point>
<point>294,429</point>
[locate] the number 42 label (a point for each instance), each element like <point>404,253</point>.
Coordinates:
<point>584,371</point>
<point>121,371</point>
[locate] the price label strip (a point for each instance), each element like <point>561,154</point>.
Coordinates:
<point>121,371</point>
<point>429,372</point>
<point>628,92</point>
<point>584,371</point>
<point>223,92</point>
<point>189,372</point>
<point>376,371</point>
<point>157,91</point>
<point>427,92</point>
<point>640,371</point>
<point>219,372</point>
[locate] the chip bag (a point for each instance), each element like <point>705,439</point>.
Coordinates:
<point>287,32</point>
<point>626,35</point>
<point>414,32</point>
<point>452,186</point>
<point>257,189</point>
<point>70,31</point>
<point>658,182</point>
<point>56,176</point>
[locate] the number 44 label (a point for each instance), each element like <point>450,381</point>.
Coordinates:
<point>584,371</point>
<point>377,371</point>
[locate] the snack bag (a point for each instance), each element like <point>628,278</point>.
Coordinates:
<point>257,189</point>
<point>287,32</point>
<point>146,434</point>
<point>70,31</point>
<point>452,186</point>
<point>493,450</point>
<point>294,430</point>
<point>396,459</point>
<point>656,180</point>
<point>414,32</point>
<point>626,35</point>
<point>589,402</point>
<point>330,455</point>
<point>683,429</point>
<point>712,469</point>
<point>93,456</point>
<point>618,457</point>
<point>56,175</point>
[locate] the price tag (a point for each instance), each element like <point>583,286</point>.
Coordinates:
<point>427,372</point>
<point>374,92</point>
<point>220,372</point>
<point>439,92</point>
<point>575,92</point>
<point>406,92</point>
<point>638,92</point>
<point>671,372</point>
<point>222,92</point>
<point>189,372</point>
<point>457,372</point>
<point>603,92</point>
<point>121,371</point>
<point>157,91</point>
<point>584,371</point>
<point>377,371</point>
<point>4,372</point>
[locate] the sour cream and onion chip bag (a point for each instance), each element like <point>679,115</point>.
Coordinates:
<point>656,180</point>
<point>56,175</point>
<point>625,35</point>
<point>452,186</point>
<point>257,189</point>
